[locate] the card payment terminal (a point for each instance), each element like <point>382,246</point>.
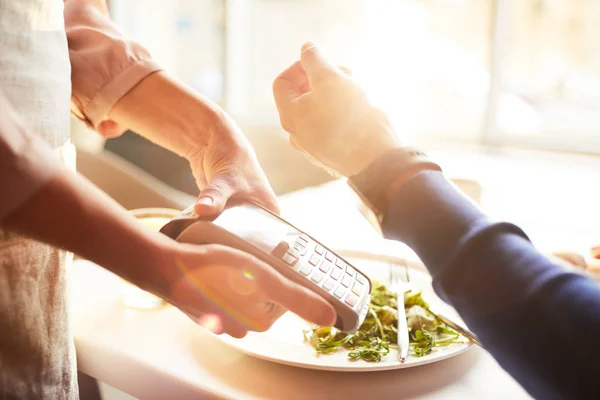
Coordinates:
<point>298,256</point>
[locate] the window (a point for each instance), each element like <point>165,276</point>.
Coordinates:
<point>185,36</point>
<point>548,74</point>
<point>524,72</point>
<point>424,62</point>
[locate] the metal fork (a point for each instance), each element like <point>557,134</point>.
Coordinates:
<point>400,280</point>
<point>399,284</point>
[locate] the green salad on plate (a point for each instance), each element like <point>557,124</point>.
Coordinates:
<point>378,333</point>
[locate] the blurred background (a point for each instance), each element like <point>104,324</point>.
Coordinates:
<point>505,92</point>
<point>496,72</point>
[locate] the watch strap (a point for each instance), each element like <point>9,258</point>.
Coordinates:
<point>373,183</point>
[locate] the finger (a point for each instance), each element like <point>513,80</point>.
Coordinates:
<point>293,80</point>
<point>315,64</point>
<point>299,300</point>
<point>265,314</point>
<point>237,333</point>
<point>216,322</point>
<point>280,290</point>
<point>234,328</point>
<point>214,196</point>
<point>267,199</point>
<point>276,288</point>
<point>287,87</point>
<point>110,129</point>
<point>297,74</point>
<point>211,315</point>
<point>256,190</point>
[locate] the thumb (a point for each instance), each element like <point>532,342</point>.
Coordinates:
<point>315,64</point>
<point>213,198</point>
<point>287,87</point>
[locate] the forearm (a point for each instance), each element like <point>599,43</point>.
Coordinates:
<point>71,213</point>
<point>170,115</point>
<point>117,86</point>
<point>539,321</point>
<point>105,65</point>
<point>518,302</point>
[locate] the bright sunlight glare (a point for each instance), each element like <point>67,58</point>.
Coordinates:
<point>425,82</point>
<point>212,322</point>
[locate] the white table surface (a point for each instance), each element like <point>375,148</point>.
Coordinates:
<point>161,354</point>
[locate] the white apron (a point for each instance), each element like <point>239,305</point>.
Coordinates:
<point>37,356</point>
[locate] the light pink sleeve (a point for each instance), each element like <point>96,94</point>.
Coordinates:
<point>26,161</point>
<point>105,65</point>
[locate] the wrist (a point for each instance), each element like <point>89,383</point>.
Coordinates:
<point>377,139</point>
<point>197,124</point>
<point>368,154</point>
<point>223,143</point>
<point>395,184</point>
<point>169,114</point>
<point>157,269</point>
<point>375,182</point>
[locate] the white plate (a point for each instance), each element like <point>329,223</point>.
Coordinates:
<point>284,343</point>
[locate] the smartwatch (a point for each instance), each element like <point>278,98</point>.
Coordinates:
<point>373,184</point>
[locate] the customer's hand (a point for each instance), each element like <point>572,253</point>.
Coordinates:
<point>329,116</point>
<point>229,291</point>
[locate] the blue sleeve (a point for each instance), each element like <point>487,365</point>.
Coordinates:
<point>539,321</point>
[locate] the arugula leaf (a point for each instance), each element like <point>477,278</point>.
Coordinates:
<point>378,332</point>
